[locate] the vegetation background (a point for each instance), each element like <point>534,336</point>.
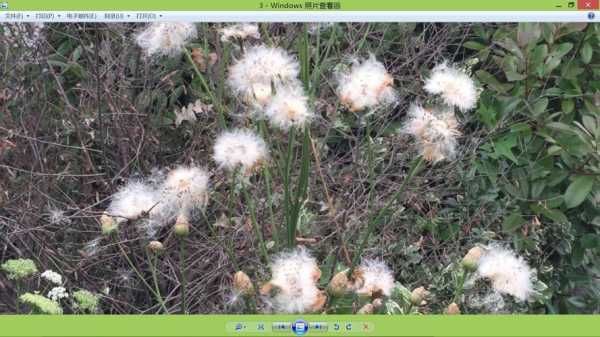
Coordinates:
<point>82,112</point>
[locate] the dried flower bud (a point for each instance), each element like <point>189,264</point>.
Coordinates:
<point>108,225</point>
<point>155,247</point>
<point>470,261</point>
<point>269,289</point>
<point>377,303</point>
<point>418,296</point>
<point>453,309</point>
<point>339,284</point>
<point>320,301</point>
<point>182,226</point>
<point>242,284</point>
<point>367,309</point>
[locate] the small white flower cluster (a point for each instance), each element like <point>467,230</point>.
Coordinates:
<point>435,132</point>
<point>294,276</point>
<point>28,35</point>
<point>160,200</point>
<point>372,277</point>
<point>52,276</point>
<point>239,31</point>
<point>57,293</point>
<point>165,38</point>
<point>240,148</point>
<point>367,84</point>
<point>507,272</point>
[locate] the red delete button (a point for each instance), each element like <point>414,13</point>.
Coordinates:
<point>587,4</point>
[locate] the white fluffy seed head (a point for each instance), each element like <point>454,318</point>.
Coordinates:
<point>507,272</point>
<point>295,277</point>
<point>372,277</point>
<point>239,31</point>
<point>240,148</point>
<point>366,84</point>
<point>454,86</point>
<point>436,132</point>
<point>289,108</point>
<point>186,188</point>
<point>260,67</point>
<point>133,200</point>
<point>52,276</point>
<point>165,38</point>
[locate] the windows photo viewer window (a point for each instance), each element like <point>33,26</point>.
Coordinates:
<point>291,168</point>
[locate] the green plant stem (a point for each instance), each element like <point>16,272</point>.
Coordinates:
<point>255,226</point>
<point>204,84</point>
<point>287,207</point>
<point>373,223</point>
<point>18,290</point>
<point>138,273</point>
<point>302,187</point>
<point>153,266</point>
<point>229,240</point>
<point>267,174</point>
<point>183,281</point>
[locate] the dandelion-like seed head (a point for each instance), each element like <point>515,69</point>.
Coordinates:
<point>239,31</point>
<point>366,84</point>
<point>373,278</point>
<point>295,275</point>
<point>454,86</point>
<point>507,272</point>
<point>289,108</point>
<point>240,148</point>
<point>165,38</point>
<point>435,132</point>
<point>260,67</point>
<point>133,200</point>
<point>186,188</point>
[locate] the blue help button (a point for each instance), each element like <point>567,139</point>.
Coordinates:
<point>300,327</point>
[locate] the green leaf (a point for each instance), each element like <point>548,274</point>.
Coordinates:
<point>492,82</point>
<point>578,191</point>
<point>567,106</point>
<point>562,49</point>
<point>586,53</point>
<point>528,33</point>
<point>512,76</point>
<point>540,106</point>
<point>504,145</point>
<point>513,222</point>
<point>589,241</point>
<point>474,45</point>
